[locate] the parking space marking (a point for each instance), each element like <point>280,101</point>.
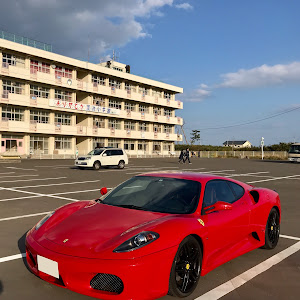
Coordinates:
<point>25,216</point>
<point>12,257</point>
<point>38,194</point>
<point>271,179</point>
<point>55,178</point>
<point>206,172</point>
<point>18,198</point>
<point>17,176</point>
<point>248,174</point>
<point>65,183</point>
<point>241,279</point>
<point>53,166</point>
<point>21,169</point>
<point>290,237</point>
<point>7,173</point>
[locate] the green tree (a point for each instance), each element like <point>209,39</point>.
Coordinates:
<point>195,136</point>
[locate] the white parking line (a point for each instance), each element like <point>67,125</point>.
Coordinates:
<point>65,183</point>
<point>7,173</point>
<point>271,179</point>
<point>53,166</point>
<point>241,279</point>
<point>19,198</point>
<point>12,257</point>
<point>248,174</point>
<point>25,216</point>
<point>55,178</point>
<point>38,194</point>
<point>14,176</point>
<point>21,169</point>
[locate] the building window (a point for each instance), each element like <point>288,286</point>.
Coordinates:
<point>156,146</point>
<point>98,143</point>
<point>143,108</point>
<point>114,143</point>
<point>167,96</point>
<point>168,129</point>
<point>39,144</point>
<point>99,122</point>
<point>63,72</point>
<point>62,119</point>
<point>143,127</point>
<point>63,95</point>
<point>13,60</point>
<point>39,116</point>
<point>114,124</point>
<point>167,146</point>
<point>114,83</point>
<point>38,66</point>
<point>39,91</point>
<point>114,104</point>
<point>157,111</point>
<point>130,106</point>
<point>142,146</point>
<point>129,125</point>
<point>129,145</point>
<point>62,142</point>
<point>157,128</point>
<point>168,112</point>
<point>11,113</point>
<point>98,101</point>
<point>12,87</point>
<point>98,80</point>
<point>156,93</point>
<point>143,90</point>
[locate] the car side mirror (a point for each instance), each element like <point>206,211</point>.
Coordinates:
<point>103,191</point>
<point>218,206</point>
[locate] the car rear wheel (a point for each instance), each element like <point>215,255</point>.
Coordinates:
<point>96,165</point>
<point>121,164</point>
<point>186,268</point>
<point>272,230</point>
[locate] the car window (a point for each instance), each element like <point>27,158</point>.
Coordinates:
<point>237,189</point>
<point>217,190</point>
<point>116,152</point>
<point>108,152</point>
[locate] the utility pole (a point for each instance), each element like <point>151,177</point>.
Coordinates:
<point>262,148</point>
<point>184,134</point>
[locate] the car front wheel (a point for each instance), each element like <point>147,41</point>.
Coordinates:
<point>96,165</point>
<point>186,268</point>
<point>272,230</point>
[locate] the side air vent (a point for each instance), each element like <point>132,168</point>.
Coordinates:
<point>255,195</point>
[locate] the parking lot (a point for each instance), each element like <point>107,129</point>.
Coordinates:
<point>32,188</point>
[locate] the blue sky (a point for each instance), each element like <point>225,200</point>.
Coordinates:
<point>237,61</point>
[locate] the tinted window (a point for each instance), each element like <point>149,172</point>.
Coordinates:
<point>116,152</point>
<point>157,194</point>
<point>237,189</point>
<point>217,190</point>
<point>108,152</point>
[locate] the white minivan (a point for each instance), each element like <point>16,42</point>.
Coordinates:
<point>103,157</point>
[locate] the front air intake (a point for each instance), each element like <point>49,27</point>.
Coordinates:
<point>107,283</point>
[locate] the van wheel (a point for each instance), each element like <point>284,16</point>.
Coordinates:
<point>96,165</point>
<point>121,164</point>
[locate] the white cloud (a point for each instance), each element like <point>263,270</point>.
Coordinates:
<point>69,25</point>
<point>185,6</point>
<point>262,76</point>
<point>197,95</point>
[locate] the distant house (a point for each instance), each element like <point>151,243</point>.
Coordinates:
<point>237,144</point>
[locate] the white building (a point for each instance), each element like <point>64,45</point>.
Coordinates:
<point>52,105</point>
<point>237,144</point>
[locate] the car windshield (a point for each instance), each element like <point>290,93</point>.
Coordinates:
<point>157,194</point>
<point>96,152</point>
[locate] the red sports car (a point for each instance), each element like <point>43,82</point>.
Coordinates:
<point>152,235</point>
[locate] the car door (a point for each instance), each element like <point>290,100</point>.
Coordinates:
<point>228,229</point>
<point>106,158</point>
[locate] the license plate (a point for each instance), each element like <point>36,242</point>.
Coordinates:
<point>47,266</point>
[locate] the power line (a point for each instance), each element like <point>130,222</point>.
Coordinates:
<point>255,121</point>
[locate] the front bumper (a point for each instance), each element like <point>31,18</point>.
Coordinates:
<point>143,278</point>
<point>83,163</point>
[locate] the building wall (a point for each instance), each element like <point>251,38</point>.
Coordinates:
<point>51,104</point>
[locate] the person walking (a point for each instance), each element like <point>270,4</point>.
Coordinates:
<point>181,156</point>
<point>187,156</point>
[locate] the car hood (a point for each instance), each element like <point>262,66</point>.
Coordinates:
<point>96,228</point>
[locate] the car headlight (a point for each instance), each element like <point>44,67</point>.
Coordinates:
<point>40,223</point>
<point>140,240</point>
